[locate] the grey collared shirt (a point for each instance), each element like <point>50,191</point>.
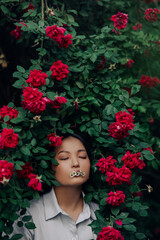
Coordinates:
<point>52,223</point>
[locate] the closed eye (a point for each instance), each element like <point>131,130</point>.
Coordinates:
<point>82,157</point>
<point>63,158</point>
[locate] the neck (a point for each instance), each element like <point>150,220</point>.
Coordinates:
<point>69,197</point>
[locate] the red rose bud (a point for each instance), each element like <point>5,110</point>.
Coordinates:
<point>6,171</point>
<point>120,20</point>
<point>118,222</point>
<point>137,26</point>
<point>30,7</point>
<point>35,182</point>
<point>128,64</point>
<point>57,103</point>
<point>148,1</point>
<point>36,78</point>
<point>131,111</point>
<point>115,198</point>
<point>55,140</point>
<point>109,233</point>
<point>106,164</point>
<point>59,70</point>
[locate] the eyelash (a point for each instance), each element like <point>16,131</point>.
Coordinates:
<point>67,158</point>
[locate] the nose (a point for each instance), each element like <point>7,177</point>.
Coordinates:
<point>75,163</point>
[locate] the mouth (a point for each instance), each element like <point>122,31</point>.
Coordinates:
<point>77,173</point>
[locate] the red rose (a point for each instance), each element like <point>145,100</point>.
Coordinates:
<point>26,170</point>
<point>55,140</point>
<point>102,64</point>
<point>149,82</point>
<point>113,177</point>
<point>59,70</point>
<point>31,95</point>
<point>118,222</point>
<point>10,139</point>
<point>120,20</point>
<point>36,78</point>
<point>137,26</point>
<point>109,233</point>
<point>36,107</point>
<point>57,103</point>
<point>115,198</point>
<point>126,119</point>
<point>118,131</point>
<point>35,182</point>
<point>106,165</point>
<point>8,111</point>
<point>6,171</point>
<point>151,14</point>
<point>133,161</point>
<point>65,41</point>
<point>124,174</point>
<point>55,33</point>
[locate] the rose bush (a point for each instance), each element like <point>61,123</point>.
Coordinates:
<point>84,82</point>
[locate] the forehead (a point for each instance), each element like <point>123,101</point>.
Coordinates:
<point>70,144</point>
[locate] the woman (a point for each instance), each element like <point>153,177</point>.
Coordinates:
<point>62,213</point>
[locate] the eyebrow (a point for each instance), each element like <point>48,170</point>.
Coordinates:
<point>80,150</point>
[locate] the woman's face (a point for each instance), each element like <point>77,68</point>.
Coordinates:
<point>71,156</point>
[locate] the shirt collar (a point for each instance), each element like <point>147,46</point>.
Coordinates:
<point>52,208</point>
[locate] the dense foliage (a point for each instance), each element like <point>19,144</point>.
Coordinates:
<point>92,69</point>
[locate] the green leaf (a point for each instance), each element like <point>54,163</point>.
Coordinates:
<point>130,227</point>
<point>135,89</point>
<point>80,85</point>
<point>16,236</point>
<point>30,225</point>
<point>88,197</point>
<point>26,218</point>
<point>18,84</point>
<point>135,100</point>
<point>20,69</point>
<point>51,95</point>
<point>93,57</point>
<point>128,220</point>
<point>123,215</point>
<point>25,151</point>
<point>44,164</point>
<point>96,121</point>
<point>115,211</point>
<point>140,235</point>
<point>148,155</point>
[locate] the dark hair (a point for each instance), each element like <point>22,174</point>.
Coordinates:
<point>82,139</point>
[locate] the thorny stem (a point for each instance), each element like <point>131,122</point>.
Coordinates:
<point>46,5</point>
